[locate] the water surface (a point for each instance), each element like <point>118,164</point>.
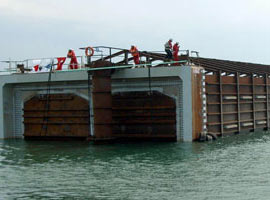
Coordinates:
<point>236,167</point>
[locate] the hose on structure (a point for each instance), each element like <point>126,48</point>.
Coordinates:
<point>47,103</point>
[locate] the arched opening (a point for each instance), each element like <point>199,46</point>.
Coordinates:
<point>144,115</point>
<point>56,115</point>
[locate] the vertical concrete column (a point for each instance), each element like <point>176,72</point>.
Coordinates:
<point>186,76</point>
<point>102,104</point>
<point>2,131</point>
<point>6,111</point>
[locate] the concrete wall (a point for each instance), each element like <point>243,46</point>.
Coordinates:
<point>160,78</point>
<point>30,84</point>
<point>173,81</point>
<point>7,111</point>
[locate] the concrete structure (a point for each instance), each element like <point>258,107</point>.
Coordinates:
<point>175,82</point>
<point>191,99</point>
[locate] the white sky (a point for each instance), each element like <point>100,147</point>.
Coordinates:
<point>231,29</point>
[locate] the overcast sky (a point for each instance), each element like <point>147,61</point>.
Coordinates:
<point>232,29</point>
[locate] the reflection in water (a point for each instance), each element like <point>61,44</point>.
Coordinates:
<point>235,167</point>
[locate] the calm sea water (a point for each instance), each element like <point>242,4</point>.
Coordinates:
<point>236,167</point>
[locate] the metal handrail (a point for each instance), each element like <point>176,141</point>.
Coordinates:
<point>117,55</point>
<point>125,66</point>
<point>28,63</point>
<point>111,67</point>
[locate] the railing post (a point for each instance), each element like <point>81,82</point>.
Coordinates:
<point>82,61</point>
<point>110,54</point>
<point>9,65</point>
<point>126,57</point>
<point>147,59</point>
<point>88,60</point>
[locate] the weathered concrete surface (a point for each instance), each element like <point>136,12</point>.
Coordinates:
<point>122,79</point>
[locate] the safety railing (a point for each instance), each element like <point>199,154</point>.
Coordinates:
<point>145,65</point>
<point>37,65</point>
<point>118,56</point>
<point>9,66</point>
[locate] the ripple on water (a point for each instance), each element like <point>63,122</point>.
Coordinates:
<point>236,167</point>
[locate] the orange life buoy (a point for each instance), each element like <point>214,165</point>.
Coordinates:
<point>87,51</point>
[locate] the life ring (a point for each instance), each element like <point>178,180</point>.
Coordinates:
<point>87,51</point>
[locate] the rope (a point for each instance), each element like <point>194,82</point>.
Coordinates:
<point>47,104</point>
<point>150,95</point>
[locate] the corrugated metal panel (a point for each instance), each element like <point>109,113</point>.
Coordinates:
<point>159,86</point>
<point>21,90</point>
<point>17,114</point>
<point>66,116</point>
<point>230,66</point>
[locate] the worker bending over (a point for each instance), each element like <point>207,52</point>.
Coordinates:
<point>175,52</point>
<point>168,49</point>
<point>73,60</point>
<point>135,53</point>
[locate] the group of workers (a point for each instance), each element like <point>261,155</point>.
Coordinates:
<point>170,49</point>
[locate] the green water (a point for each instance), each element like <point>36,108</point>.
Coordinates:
<point>236,167</point>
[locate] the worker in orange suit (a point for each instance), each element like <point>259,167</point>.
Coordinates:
<point>175,52</point>
<point>135,53</point>
<point>73,60</point>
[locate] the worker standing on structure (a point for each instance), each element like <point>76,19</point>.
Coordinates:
<point>73,60</point>
<point>175,52</point>
<point>168,49</point>
<point>135,53</point>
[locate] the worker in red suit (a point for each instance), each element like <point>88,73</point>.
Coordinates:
<point>135,53</point>
<point>175,52</point>
<point>73,60</point>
